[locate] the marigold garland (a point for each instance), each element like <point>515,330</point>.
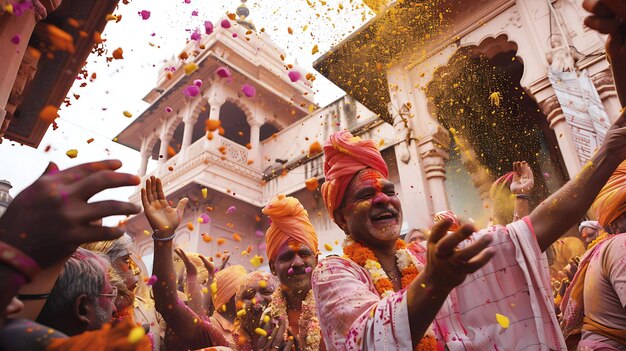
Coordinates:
<point>365,257</point>
<point>309,335</point>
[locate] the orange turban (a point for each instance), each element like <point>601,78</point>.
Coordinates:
<point>290,221</point>
<point>611,201</point>
<point>228,281</point>
<point>345,155</point>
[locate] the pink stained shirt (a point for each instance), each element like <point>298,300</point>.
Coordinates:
<point>515,284</point>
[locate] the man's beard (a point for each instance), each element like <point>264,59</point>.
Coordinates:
<point>101,317</point>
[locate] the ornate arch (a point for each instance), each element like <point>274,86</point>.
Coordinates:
<point>241,105</point>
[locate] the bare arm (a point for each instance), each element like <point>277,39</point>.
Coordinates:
<point>564,208</point>
<point>164,219</point>
<point>194,291</point>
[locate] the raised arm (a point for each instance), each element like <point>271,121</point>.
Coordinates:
<point>194,291</point>
<point>164,220</point>
<point>563,209</point>
<point>521,186</point>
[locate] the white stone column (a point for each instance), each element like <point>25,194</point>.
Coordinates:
<point>165,142</point>
<point>145,156</point>
<point>215,103</point>
<point>605,85</point>
<point>552,109</point>
<point>434,158</point>
<point>255,142</point>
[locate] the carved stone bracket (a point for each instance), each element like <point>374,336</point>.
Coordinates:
<point>434,153</point>
<point>604,83</point>
<point>551,108</point>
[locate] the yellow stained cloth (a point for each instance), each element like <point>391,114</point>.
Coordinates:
<point>290,221</point>
<point>228,280</point>
<point>611,201</point>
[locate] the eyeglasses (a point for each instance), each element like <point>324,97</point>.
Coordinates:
<point>112,294</point>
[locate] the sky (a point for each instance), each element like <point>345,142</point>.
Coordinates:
<point>120,85</point>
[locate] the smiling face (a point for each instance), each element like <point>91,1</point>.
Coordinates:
<point>371,212</point>
<point>293,266</point>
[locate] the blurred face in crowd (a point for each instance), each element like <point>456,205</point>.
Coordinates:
<point>127,270</point>
<point>254,297</point>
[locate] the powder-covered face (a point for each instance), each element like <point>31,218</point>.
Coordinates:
<point>254,297</point>
<point>294,265</point>
<point>371,212</point>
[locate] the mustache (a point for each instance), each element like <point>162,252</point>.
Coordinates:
<point>390,209</point>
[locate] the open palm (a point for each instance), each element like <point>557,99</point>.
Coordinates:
<point>160,214</point>
<point>523,180</point>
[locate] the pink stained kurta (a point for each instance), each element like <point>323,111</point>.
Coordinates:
<point>515,283</point>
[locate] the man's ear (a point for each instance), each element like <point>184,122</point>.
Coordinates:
<point>273,268</point>
<point>341,221</point>
<point>82,309</point>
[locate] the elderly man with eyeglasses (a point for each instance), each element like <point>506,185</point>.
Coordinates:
<point>81,300</point>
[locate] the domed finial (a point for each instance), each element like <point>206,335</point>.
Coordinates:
<point>243,12</point>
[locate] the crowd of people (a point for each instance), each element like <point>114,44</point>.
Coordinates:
<point>70,283</point>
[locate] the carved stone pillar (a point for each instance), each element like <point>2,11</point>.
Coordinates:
<point>145,155</point>
<point>433,152</point>
<point>215,103</point>
<point>552,109</point>
<point>605,85</point>
<point>255,141</point>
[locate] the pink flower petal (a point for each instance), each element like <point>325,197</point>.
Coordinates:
<point>195,36</point>
<point>208,27</point>
<point>248,90</point>
<point>225,23</point>
<point>197,82</point>
<point>294,76</point>
<point>259,233</point>
<point>194,13</point>
<point>168,109</point>
<point>231,210</point>
<point>145,14</point>
<point>191,91</point>
<point>223,72</point>
<point>16,39</point>
<point>153,279</point>
<point>205,218</point>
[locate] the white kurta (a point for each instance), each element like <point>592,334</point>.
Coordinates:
<point>515,284</point>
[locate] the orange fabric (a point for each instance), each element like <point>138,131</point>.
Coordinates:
<point>611,333</point>
<point>345,155</point>
<point>110,338</point>
<point>290,221</point>
<point>611,201</point>
<point>228,280</point>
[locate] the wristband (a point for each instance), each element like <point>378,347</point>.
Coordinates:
<point>522,196</point>
<point>162,239</point>
<point>17,260</point>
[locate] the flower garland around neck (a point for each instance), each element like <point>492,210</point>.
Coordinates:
<point>241,338</point>
<point>309,335</point>
<point>365,257</point>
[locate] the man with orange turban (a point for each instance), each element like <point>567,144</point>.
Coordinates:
<point>595,302</point>
<point>292,250</point>
<point>491,291</point>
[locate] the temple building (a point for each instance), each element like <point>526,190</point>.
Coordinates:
<point>450,105</point>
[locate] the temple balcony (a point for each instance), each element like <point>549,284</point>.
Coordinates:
<point>219,164</point>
